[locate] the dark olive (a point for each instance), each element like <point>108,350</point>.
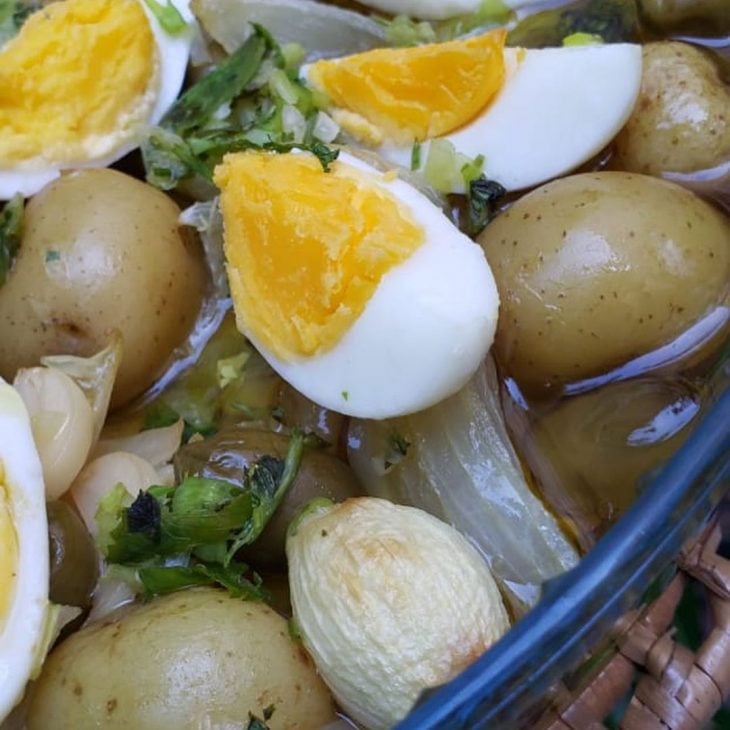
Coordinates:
<point>227,454</point>
<point>74,566</point>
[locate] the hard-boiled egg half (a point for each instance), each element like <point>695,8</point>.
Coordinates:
<point>532,115</point>
<point>354,286</point>
<point>80,82</point>
<point>443,9</point>
<point>23,551</point>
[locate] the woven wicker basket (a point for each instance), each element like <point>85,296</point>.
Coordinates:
<point>599,650</point>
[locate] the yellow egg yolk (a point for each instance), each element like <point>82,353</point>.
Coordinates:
<point>306,248</point>
<point>416,93</point>
<point>8,550</point>
<point>76,79</point>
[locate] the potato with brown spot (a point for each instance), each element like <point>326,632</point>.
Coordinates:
<point>193,659</point>
<point>101,251</point>
<point>681,121</point>
<point>607,267</point>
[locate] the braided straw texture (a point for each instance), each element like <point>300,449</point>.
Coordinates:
<point>674,687</point>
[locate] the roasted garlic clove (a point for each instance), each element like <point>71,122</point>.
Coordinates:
<point>389,601</point>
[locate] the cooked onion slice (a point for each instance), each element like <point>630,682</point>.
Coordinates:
<point>456,461</point>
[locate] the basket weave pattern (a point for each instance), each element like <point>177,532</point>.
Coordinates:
<point>677,689</point>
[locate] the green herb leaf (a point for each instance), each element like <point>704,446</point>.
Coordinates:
<point>168,16</point>
<point>12,16</point>
<point>482,196</point>
<point>268,481</point>
<point>189,535</point>
<point>582,39</point>
<point>200,102</point>
<point>11,232</point>
<point>255,724</point>
<point>158,581</point>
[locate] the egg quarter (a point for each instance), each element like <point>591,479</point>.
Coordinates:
<point>548,111</point>
<point>125,75</point>
<point>24,570</point>
<point>405,304</point>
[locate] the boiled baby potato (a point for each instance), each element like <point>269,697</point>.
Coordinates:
<point>101,251</point>
<point>190,660</point>
<point>681,121</point>
<point>594,270</point>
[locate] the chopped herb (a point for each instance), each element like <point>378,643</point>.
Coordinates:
<point>396,450</point>
<point>403,31</point>
<point>255,724</point>
<point>345,395</point>
<point>202,100</point>
<point>582,39</point>
<point>168,16</point>
<point>13,14</point>
<point>11,231</point>
<point>277,413</point>
<point>416,156</point>
<point>295,632</point>
<point>189,535</point>
<point>230,369</point>
<point>482,196</point>
<point>269,712</point>
<point>252,100</point>
<point>52,255</point>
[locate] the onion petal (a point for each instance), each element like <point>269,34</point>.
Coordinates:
<point>456,461</point>
<point>324,30</point>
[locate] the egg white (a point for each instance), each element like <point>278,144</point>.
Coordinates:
<point>557,108</point>
<point>21,629</point>
<point>423,333</point>
<point>172,55</point>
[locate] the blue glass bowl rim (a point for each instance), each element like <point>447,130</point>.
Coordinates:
<point>622,564</point>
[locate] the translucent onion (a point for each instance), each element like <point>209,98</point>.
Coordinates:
<point>156,445</point>
<point>456,461</point>
<point>95,376</point>
<point>62,422</point>
<point>324,30</point>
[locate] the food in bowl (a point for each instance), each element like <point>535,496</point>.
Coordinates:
<point>317,380</point>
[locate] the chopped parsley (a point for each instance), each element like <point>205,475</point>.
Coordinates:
<point>168,16</point>
<point>396,449</point>
<point>11,231</point>
<point>177,537</point>
<point>482,196</point>
<point>52,255</point>
<point>253,99</point>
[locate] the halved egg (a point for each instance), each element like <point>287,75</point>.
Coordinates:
<point>23,550</point>
<point>78,85</point>
<point>531,114</point>
<point>355,287</point>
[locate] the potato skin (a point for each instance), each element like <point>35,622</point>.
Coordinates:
<point>178,663</point>
<point>101,251</point>
<point>594,270</point>
<point>681,121</point>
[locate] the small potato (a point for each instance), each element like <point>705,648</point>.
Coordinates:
<point>101,251</point>
<point>681,121</point>
<point>190,660</point>
<point>595,270</point>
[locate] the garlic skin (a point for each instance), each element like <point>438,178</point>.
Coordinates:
<point>389,601</point>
